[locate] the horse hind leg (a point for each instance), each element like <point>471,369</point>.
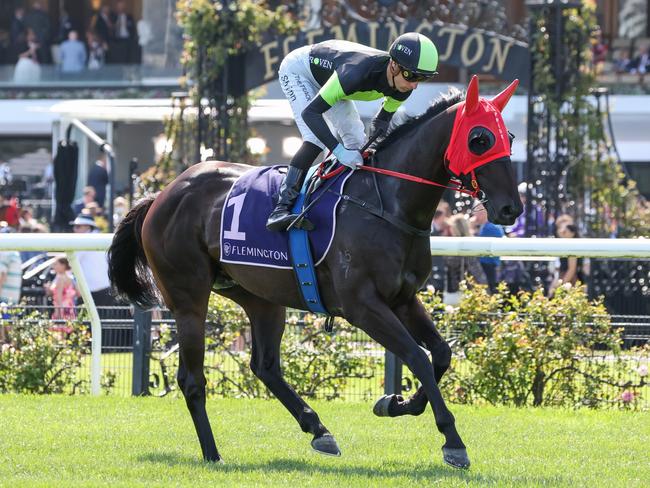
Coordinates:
<point>267,327</point>
<point>188,301</point>
<point>191,377</point>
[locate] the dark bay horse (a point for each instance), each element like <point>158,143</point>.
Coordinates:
<point>370,275</point>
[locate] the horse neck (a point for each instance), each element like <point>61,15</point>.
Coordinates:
<point>419,153</point>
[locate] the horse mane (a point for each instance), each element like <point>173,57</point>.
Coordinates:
<point>439,105</point>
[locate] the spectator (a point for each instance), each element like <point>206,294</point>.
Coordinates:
<point>120,209</point>
<point>103,26</point>
<point>38,21</point>
<point>66,25</point>
<point>96,51</point>
<point>88,197</point>
<point>439,227</point>
<point>621,61</point>
<point>126,42</point>
<point>98,179</point>
<point>144,32</point>
<point>30,57</point>
<point>94,264</point>
<point>11,278</point>
<point>459,266</point>
<point>641,63</point>
<point>73,54</point>
<point>93,210</point>
<point>5,174</point>
<point>63,291</point>
<point>11,281</point>
<point>17,33</point>
<point>490,264</point>
<point>26,218</point>
<point>560,221</point>
<point>571,268</point>
<point>9,212</point>
<point>27,255</point>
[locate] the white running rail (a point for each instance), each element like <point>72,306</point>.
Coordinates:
<point>69,243</point>
<point>441,246</point>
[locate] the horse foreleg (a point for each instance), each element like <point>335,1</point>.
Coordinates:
<point>191,378</point>
<point>423,330</point>
<point>267,327</point>
<point>380,322</point>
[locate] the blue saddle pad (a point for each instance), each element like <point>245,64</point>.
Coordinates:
<point>244,238</point>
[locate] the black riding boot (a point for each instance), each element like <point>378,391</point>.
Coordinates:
<point>281,216</point>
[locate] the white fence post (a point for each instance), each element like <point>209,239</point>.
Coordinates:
<point>95,324</point>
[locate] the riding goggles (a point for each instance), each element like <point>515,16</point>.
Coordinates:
<point>414,76</point>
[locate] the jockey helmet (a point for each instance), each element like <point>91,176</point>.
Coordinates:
<point>416,55</point>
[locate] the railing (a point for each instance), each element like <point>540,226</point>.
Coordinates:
<point>447,246</point>
<point>137,360</point>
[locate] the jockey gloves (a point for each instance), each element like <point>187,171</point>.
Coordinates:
<point>348,157</point>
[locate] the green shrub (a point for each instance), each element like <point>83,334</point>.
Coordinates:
<point>527,349</point>
<point>313,362</point>
<point>38,359</point>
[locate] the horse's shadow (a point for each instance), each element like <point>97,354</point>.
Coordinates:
<point>430,471</point>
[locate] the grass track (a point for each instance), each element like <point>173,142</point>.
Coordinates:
<point>108,441</point>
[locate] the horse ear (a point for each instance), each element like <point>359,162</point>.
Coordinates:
<point>471,97</point>
<point>501,100</point>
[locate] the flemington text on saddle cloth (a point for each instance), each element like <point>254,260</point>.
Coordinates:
<point>244,238</point>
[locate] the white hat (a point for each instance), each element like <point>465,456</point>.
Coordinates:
<point>84,220</point>
<point>522,187</point>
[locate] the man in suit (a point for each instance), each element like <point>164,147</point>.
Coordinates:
<point>17,34</point>
<point>125,34</point>
<point>38,20</point>
<point>641,63</point>
<point>102,27</point>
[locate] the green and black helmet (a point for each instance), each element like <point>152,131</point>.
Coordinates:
<point>416,55</point>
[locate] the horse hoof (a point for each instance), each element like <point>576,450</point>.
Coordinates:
<point>456,457</point>
<point>326,444</point>
<point>381,406</point>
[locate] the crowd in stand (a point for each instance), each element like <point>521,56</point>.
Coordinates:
<point>623,57</point>
<point>61,287</point>
<point>110,38</point>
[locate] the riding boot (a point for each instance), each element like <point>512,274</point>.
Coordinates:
<point>281,216</point>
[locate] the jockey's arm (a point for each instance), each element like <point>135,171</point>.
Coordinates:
<point>313,117</point>
<point>329,94</point>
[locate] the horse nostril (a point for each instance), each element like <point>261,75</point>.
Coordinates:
<point>508,211</point>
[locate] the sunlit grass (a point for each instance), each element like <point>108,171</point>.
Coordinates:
<point>111,441</point>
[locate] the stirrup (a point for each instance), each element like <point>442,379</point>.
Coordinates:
<point>280,222</point>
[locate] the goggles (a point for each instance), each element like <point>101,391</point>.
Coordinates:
<point>414,76</point>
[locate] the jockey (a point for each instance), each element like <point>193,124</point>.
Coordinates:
<point>326,77</point>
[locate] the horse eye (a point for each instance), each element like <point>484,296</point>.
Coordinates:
<point>480,140</point>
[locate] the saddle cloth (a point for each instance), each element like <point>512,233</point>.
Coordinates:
<point>244,238</point>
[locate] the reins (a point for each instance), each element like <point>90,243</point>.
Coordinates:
<point>457,184</point>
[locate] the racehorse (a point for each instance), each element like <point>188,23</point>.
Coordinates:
<point>370,275</point>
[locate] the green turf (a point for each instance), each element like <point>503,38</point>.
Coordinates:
<point>110,441</point>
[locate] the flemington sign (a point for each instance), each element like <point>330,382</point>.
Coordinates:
<point>459,46</point>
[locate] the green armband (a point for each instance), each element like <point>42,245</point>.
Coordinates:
<point>332,91</point>
<point>391,105</point>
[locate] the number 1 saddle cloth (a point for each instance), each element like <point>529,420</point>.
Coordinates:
<point>244,238</point>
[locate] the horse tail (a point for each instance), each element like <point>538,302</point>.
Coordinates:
<point>127,263</point>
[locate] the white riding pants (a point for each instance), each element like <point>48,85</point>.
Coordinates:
<point>300,88</point>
